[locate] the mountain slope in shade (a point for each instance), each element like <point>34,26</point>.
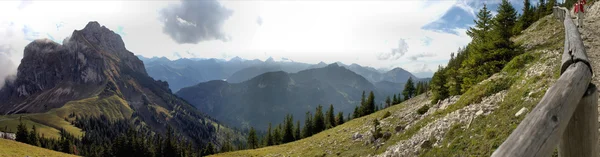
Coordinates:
<point>268,97</point>
<point>92,73</point>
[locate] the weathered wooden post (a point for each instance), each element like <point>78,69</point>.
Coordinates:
<point>580,138</point>
<point>567,114</point>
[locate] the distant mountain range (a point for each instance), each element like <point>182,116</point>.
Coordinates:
<point>268,97</point>
<point>187,72</point>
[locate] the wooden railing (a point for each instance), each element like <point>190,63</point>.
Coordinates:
<point>567,115</point>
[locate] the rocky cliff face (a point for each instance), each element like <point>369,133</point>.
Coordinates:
<point>51,74</point>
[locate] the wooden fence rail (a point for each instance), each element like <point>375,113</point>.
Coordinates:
<point>567,115</point>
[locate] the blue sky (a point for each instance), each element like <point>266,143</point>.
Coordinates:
<point>415,35</point>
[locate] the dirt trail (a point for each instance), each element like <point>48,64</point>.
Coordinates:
<point>590,33</point>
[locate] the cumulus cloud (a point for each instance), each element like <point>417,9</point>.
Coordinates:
<point>396,53</point>
<point>422,55</point>
<point>194,21</point>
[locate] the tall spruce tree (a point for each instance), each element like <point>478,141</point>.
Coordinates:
<point>297,135</point>
<point>388,102</point>
<point>339,120</point>
<point>22,134</point>
<point>370,103</point>
<point>308,126</point>
<point>252,139</point>
<point>269,136</point>
<point>438,81</point>
<point>319,120</point>
<point>409,89</point>
<point>478,50</point>
<point>288,130</point>
<point>330,118</point>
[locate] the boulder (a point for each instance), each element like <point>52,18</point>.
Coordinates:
<point>520,112</point>
<point>357,136</point>
<point>399,128</point>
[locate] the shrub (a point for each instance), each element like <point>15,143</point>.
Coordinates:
<point>423,110</point>
<point>386,114</point>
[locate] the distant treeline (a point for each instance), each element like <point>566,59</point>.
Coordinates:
<point>104,137</point>
<point>313,124</point>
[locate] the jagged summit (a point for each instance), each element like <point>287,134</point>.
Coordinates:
<point>94,69</point>
<point>51,74</point>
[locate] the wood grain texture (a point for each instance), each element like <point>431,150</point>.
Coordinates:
<point>580,137</point>
<point>540,132</point>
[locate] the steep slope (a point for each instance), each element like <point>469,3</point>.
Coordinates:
<point>268,97</point>
<point>11,148</point>
<point>91,74</point>
<point>473,124</point>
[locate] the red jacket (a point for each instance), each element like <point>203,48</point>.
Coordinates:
<point>581,7</point>
<point>576,8</point>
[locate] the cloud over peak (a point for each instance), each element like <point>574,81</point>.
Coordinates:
<point>194,21</point>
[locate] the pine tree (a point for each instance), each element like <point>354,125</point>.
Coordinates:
<point>339,120</point>
<point>356,112</point>
<point>478,51</point>
<point>22,133</point>
<point>409,89</point>
<point>269,135</point>
<point>252,139</point>
<point>394,100</point>
<point>438,81</point>
<point>541,12</point>
<point>33,137</point>
<point>319,120</point>
<point>370,103</point>
<point>528,15</point>
<point>549,5</point>
<point>330,117</point>
<point>288,131</point>
<point>209,149</point>
<point>297,135</point>
<point>308,126</point>
<point>388,102</point>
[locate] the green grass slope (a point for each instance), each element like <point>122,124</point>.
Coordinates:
<point>49,123</point>
<point>474,125</point>
<point>9,148</point>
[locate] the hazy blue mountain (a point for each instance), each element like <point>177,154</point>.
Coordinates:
<point>269,96</point>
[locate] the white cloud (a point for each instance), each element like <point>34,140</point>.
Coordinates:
<point>303,31</point>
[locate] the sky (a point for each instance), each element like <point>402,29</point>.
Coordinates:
<point>417,35</point>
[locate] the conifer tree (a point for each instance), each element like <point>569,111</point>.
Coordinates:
<point>330,117</point>
<point>22,133</point>
<point>394,100</point>
<point>370,103</point>
<point>319,120</point>
<point>388,102</point>
<point>252,139</point>
<point>409,89</point>
<point>339,120</point>
<point>438,81</point>
<point>308,126</point>
<point>297,135</point>
<point>269,135</point>
<point>288,131</point>
<point>33,137</point>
